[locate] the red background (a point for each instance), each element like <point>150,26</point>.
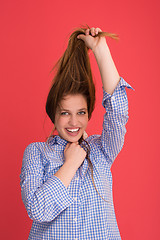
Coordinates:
<point>33,36</point>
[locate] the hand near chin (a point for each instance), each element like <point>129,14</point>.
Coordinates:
<point>74,155</point>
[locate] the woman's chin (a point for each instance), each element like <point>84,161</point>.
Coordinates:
<point>74,139</point>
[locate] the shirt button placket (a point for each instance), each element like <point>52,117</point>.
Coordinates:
<point>75,219</point>
<point>75,225</point>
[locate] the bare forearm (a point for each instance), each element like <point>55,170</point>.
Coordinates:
<point>109,74</point>
<point>65,174</point>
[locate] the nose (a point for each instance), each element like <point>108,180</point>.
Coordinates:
<point>73,120</point>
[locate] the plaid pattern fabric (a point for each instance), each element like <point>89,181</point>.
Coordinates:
<point>76,212</point>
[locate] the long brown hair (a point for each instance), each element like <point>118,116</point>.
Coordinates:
<point>74,76</point>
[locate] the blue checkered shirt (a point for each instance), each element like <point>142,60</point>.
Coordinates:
<point>76,212</point>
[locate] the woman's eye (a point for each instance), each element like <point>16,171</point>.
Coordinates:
<point>64,113</point>
<point>82,113</point>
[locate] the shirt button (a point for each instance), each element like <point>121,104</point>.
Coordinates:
<point>75,219</point>
<point>76,178</point>
<point>75,199</point>
<point>113,97</point>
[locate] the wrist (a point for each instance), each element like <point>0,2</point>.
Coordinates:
<point>101,53</point>
<point>71,167</point>
<point>100,47</point>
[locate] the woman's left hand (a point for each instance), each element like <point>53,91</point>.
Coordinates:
<point>92,41</point>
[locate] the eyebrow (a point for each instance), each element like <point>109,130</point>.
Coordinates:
<point>63,109</point>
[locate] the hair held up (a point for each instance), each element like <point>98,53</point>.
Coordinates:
<point>73,74</point>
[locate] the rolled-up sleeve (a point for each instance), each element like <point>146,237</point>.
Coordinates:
<point>43,201</point>
<point>115,119</point>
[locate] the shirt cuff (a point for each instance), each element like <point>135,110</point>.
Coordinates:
<point>117,102</point>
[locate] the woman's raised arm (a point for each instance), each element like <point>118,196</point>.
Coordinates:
<point>108,71</point>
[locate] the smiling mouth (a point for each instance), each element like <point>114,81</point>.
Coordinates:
<point>73,130</point>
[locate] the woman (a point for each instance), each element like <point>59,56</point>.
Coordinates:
<point>66,183</point>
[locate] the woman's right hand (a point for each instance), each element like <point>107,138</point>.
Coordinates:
<point>74,155</point>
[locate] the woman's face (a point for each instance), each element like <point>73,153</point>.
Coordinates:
<point>71,118</point>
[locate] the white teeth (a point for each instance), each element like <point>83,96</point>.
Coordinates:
<point>73,130</point>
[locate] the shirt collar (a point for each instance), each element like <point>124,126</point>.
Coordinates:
<point>57,140</point>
